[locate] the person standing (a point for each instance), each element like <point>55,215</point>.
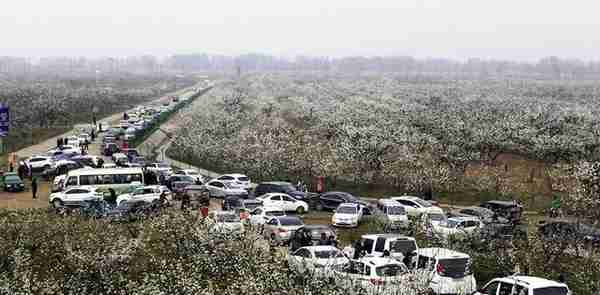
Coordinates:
<point>34,187</point>
<point>93,133</point>
<point>11,167</point>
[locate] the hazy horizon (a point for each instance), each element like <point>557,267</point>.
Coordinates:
<point>507,30</point>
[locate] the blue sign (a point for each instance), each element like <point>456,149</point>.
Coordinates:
<point>4,120</point>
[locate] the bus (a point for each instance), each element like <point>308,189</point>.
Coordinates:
<point>115,178</point>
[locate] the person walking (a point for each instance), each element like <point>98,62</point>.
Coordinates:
<point>34,187</point>
<point>11,167</point>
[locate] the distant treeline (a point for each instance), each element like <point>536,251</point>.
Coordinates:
<point>545,68</point>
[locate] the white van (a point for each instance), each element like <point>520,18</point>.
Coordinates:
<point>448,271</point>
<point>393,214</point>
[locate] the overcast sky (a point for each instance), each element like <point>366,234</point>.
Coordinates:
<point>502,29</point>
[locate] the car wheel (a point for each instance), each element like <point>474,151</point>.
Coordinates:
<point>320,206</point>
<point>57,203</point>
<point>46,167</point>
<point>300,210</point>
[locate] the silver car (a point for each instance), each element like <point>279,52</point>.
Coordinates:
<point>279,229</point>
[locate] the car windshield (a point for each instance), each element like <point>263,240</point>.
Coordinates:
<point>252,205</point>
<point>325,254</point>
<point>450,223</point>
<point>12,179</point>
<point>228,218</point>
<point>290,221</point>
<point>551,291</point>
<point>243,178</point>
<point>423,203</point>
<point>403,246</point>
<point>395,210</point>
<point>275,213</point>
<point>390,270</point>
<point>346,210</point>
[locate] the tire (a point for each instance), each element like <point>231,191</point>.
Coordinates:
<point>57,203</point>
<point>300,210</point>
<point>46,167</point>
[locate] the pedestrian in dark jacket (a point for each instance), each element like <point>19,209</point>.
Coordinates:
<point>34,187</point>
<point>21,170</point>
<point>11,167</point>
<point>358,248</point>
<point>323,241</point>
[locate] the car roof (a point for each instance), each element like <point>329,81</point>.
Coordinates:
<point>276,182</point>
<point>387,236</point>
<point>272,194</point>
<point>320,248</point>
<point>378,261</point>
<point>349,205</point>
<point>234,175</point>
<point>501,203</point>
<point>389,202</point>
<point>411,198</point>
<point>464,218</point>
<point>532,282</point>
<point>441,253</point>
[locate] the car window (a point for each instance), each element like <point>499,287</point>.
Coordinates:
<point>72,180</point>
<point>303,253</point>
<point>491,288</point>
<point>225,178</point>
<point>550,291</point>
<point>217,184</point>
<point>257,212</point>
<point>505,288</point>
<point>368,245</point>
<point>520,290</point>
<point>380,244</point>
<point>287,199</point>
<point>425,262</point>
<point>276,198</point>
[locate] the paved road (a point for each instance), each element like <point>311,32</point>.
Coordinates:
<point>44,146</point>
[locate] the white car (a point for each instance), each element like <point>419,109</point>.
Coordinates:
<point>119,158</point>
<point>71,150</point>
<point>84,137</point>
<point>160,168</point>
<point>225,222</point>
<point>109,165</point>
<point>73,196</point>
<point>415,206</point>
<point>431,220</point>
<point>193,173</point>
<point>392,214</point>
<point>398,246</point>
<point>447,271</point>
<point>376,275</point>
<point>316,259</point>
<point>458,227</point>
<point>236,180</point>
<point>261,215</point>
<point>219,189</point>
<point>40,162</point>
<point>284,201</point>
<point>523,285</point>
<point>73,140</point>
<point>147,193</point>
<point>347,215</point>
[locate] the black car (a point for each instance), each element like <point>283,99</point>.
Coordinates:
<point>510,210</point>
<point>231,203</point>
<point>11,182</point>
<point>85,161</point>
<point>177,178</point>
<point>278,187</point>
<point>299,237</point>
<point>110,148</point>
<point>61,168</point>
<point>571,232</point>
<point>331,200</point>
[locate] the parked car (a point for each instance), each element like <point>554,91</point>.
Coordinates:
<point>178,178</point>
<point>523,285</point>
<point>458,227</point>
<point>261,215</point>
<point>61,167</point>
<point>11,182</point>
<point>225,222</point>
<point>317,260</point>
<point>87,160</point>
<point>447,271</point>
<point>39,163</point>
<point>568,231</point>
<point>219,189</point>
<point>484,214</point>
<point>192,173</point>
<point>110,148</point>
<point>415,206</point>
<point>141,160</point>
<point>73,140</point>
<point>73,196</point>
<point>399,247</point>
<point>160,168</point>
<point>147,194</point>
<point>392,214</point>
<point>284,201</point>
<point>315,231</point>
<point>85,138</point>
<point>347,215</point>
<point>374,275</point>
<point>278,187</point>
<point>131,153</point>
<point>178,187</point>
<point>120,159</point>
<point>198,194</point>
<point>510,210</point>
<point>279,229</point>
<point>236,180</point>
<point>331,200</point>
<point>130,211</point>
<point>231,203</point>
